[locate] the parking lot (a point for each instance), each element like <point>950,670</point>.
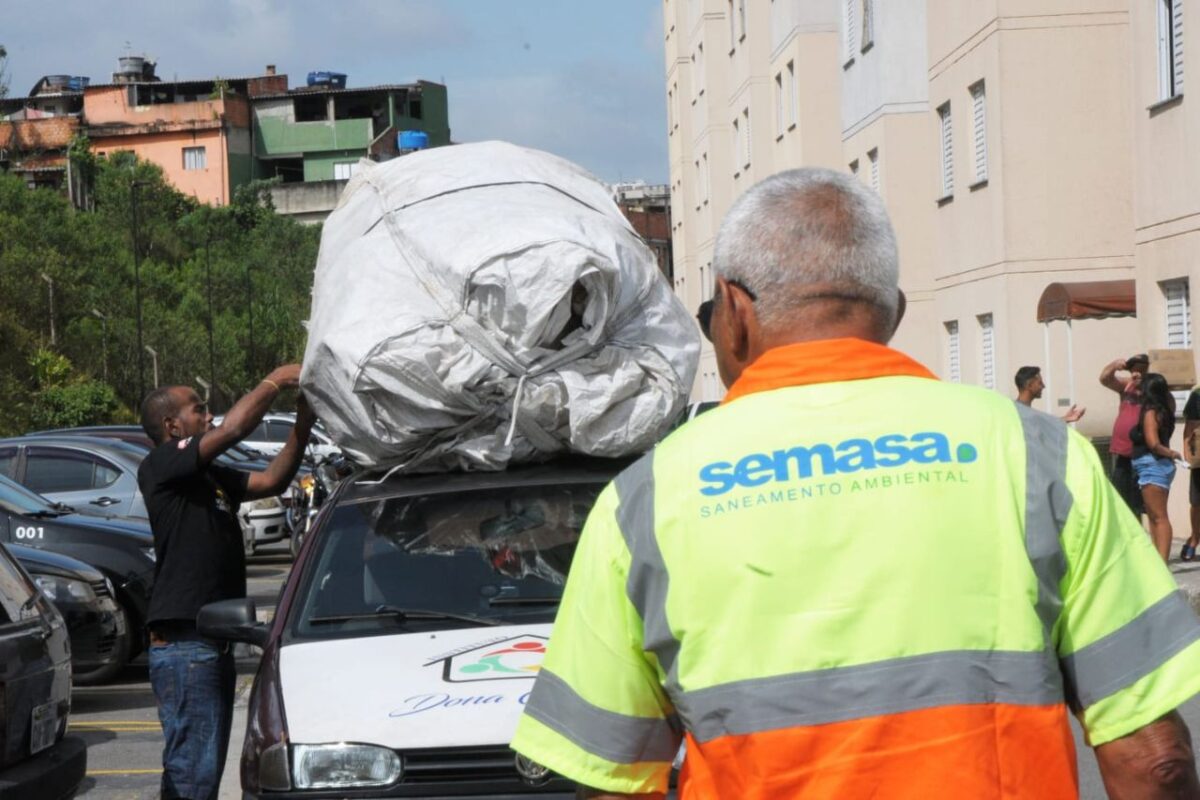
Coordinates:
<point>119,721</point>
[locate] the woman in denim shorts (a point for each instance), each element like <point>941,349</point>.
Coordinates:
<point>1153,459</point>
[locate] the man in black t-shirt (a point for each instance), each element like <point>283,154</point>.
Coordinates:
<point>1191,421</point>
<point>192,503</point>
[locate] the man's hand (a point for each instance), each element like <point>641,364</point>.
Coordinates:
<point>1074,414</point>
<point>1155,761</point>
<point>285,377</point>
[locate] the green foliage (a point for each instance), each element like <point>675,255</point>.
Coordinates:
<point>87,403</point>
<point>247,259</point>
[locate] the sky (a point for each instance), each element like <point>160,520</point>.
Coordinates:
<point>580,78</point>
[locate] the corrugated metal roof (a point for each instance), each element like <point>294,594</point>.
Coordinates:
<point>191,82</point>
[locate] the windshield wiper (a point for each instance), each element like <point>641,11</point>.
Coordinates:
<point>44,513</point>
<point>402,615</point>
<point>525,601</point>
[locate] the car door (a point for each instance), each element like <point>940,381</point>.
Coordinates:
<point>79,478</point>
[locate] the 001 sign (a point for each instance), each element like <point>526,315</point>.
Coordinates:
<point>29,532</point>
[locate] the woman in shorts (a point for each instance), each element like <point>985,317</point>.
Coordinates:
<point>1153,458</point>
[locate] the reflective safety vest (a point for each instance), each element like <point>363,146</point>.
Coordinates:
<point>853,580</point>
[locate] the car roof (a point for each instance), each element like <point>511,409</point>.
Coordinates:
<point>96,444</point>
<point>377,485</point>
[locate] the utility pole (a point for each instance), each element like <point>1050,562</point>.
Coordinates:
<point>103,338</point>
<point>212,350</point>
<point>154,354</point>
<point>137,287</point>
<point>50,282</point>
<point>250,317</point>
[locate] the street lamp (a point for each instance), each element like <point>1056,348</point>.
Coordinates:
<point>50,282</point>
<point>153,354</point>
<point>137,285</point>
<point>207,387</point>
<point>103,338</point>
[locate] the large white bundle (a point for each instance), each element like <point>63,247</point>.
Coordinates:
<point>461,286</point>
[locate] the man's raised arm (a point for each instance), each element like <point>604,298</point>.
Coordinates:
<point>247,412</point>
<point>282,468</point>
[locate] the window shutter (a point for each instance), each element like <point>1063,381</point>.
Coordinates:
<point>873,157</point>
<point>851,22</point>
<point>947,152</point>
<point>954,368</point>
<point>979,116</point>
<point>1177,46</point>
<point>868,22</point>
<point>1179,316</point>
<point>987,340</point>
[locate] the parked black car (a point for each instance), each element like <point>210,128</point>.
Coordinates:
<point>100,634</point>
<point>123,550</point>
<point>37,758</point>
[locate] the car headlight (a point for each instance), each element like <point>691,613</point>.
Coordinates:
<point>265,504</point>
<point>61,589</point>
<point>342,766</point>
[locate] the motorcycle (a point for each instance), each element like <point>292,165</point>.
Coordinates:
<point>311,492</point>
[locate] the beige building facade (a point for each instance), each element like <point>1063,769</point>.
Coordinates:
<point>1015,146</point>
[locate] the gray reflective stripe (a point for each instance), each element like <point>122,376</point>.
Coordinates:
<point>1047,504</point>
<point>1131,652</point>
<point>968,677</point>
<point>648,579</point>
<point>612,736</point>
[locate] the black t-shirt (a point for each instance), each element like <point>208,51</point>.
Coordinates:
<point>197,539</point>
<point>1192,409</point>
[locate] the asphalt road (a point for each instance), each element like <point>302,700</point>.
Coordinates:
<point>119,721</point>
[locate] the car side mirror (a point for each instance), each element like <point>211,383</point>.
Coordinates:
<point>233,620</point>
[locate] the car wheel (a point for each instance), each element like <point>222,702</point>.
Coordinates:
<point>123,649</point>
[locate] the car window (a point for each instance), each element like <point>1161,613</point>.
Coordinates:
<point>16,499</point>
<point>278,431</point>
<point>15,591</point>
<point>8,462</point>
<point>260,434</point>
<point>499,554</point>
<point>49,469</point>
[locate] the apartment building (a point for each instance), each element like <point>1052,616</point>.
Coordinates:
<point>1004,139</point>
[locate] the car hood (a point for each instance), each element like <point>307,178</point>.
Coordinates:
<point>433,689</point>
<point>119,525</point>
<point>46,562</point>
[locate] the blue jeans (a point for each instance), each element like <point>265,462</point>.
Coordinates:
<point>193,683</point>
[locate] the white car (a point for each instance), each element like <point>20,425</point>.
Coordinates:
<point>410,633</point>
<point>263,521</point>
<point>272,433</point>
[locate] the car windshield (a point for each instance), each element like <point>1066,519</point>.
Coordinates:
<point>16,499</point>
<point>451,560</point>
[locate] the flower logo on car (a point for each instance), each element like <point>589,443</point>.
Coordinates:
<point>504,659</point>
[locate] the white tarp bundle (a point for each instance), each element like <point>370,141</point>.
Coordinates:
<point>485,303</point>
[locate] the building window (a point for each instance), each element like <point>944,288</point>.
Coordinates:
<point>704,178</point>
<point>674,97</point>
<point>979,126</point>
<point>854,167</point>
<point>746,137</point>
<point>987,350</point>
<point>873,160</point>
<point>793,101</point>
<point>868,24</point>
<point>1170,48</point>
<point>732,28</point>
<point>195,158</point>
<point>700,69</point>
<point>947,151</point>
<point>778,104</point>
<point>953,365</point>
<point>1179,313</point>
<point>741,4</point>
<point>344,170</point>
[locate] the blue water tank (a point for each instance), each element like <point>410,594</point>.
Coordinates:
<point>334,80</point>
<point>78,83</point>
<point>412,140</point>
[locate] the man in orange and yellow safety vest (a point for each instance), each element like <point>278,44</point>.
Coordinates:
<point>852,579</point>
